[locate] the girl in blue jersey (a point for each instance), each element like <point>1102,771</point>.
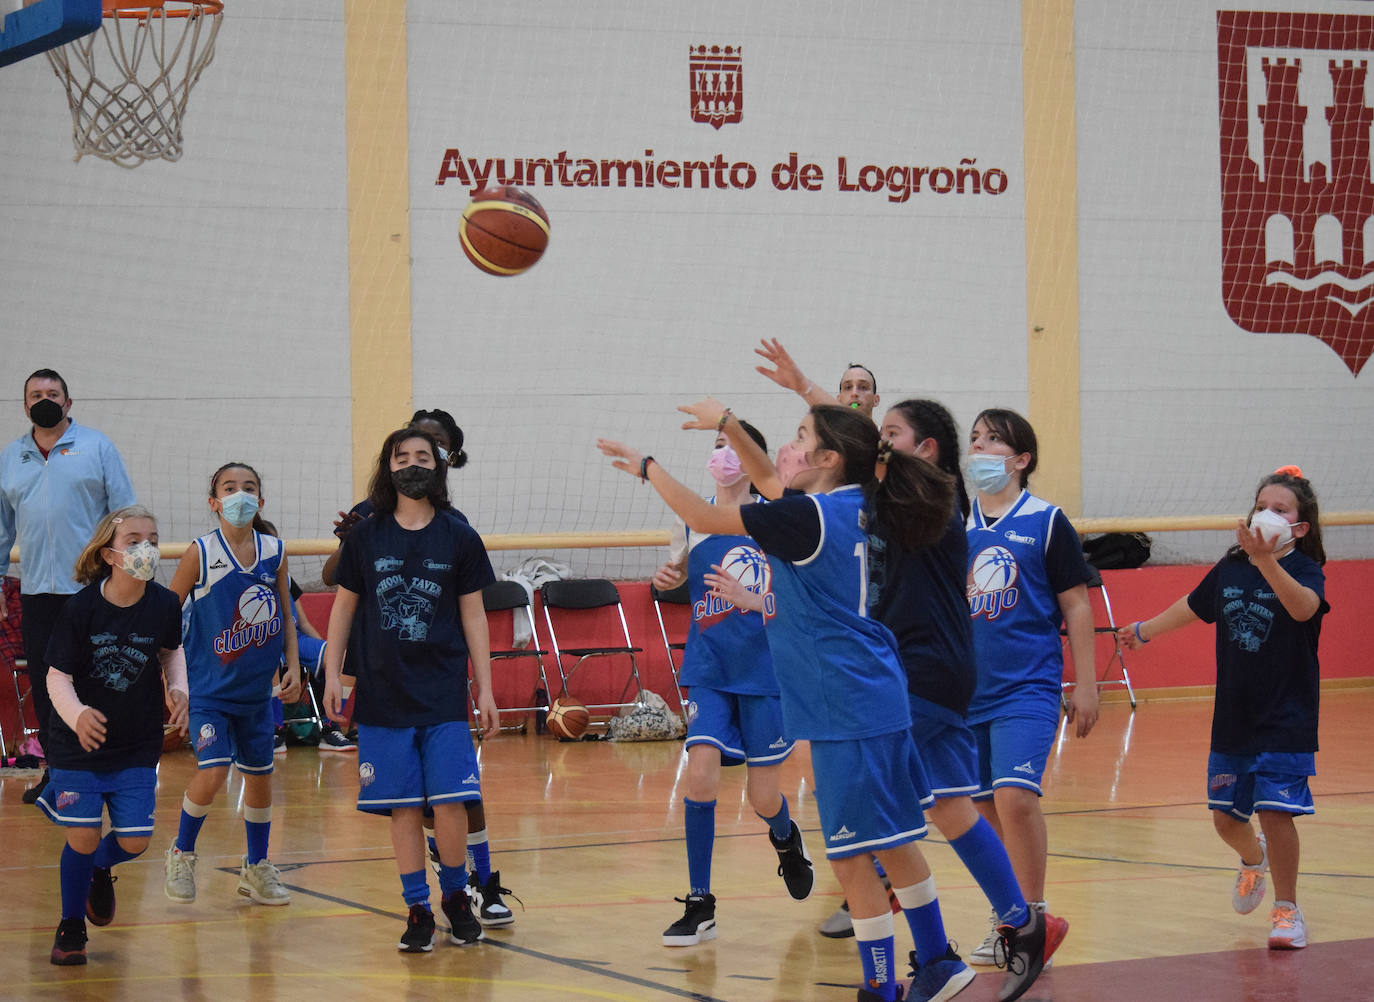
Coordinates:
<point>1026,575</point>
<point>734,716</point>
<point>839,672</point>
<point>111,648</point>
<point>1267,597</point>
<point>239,635</point>
<point>413,575</point>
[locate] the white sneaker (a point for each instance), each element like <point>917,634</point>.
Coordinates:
<point>262,883</point>
<point>179,874</point>
<point>1290,930</point>
<point>1250,883</point>
<point>985,955</point>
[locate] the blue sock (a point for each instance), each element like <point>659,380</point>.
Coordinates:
<point>257,825</point>
<point>699,821</point>
<point>878,865</point>
<point>278,715</point>
<point>452,878</point>
<point>110,852</point>
<point>415,888</point>
<point>75,870</point>
<point>192,818</point>
<point>780,824</point>
<point>876,949</point>
<point>985,857</point>
<point>922,910</point>
<point>480,851</point>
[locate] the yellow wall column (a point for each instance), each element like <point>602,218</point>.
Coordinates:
<point>1047,72</point>
<point>378,226</point>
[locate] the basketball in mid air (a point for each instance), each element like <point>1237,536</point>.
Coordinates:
<point>504,230</point>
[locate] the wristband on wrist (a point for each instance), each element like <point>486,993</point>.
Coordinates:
<point>644,467</point>
<point>1138,635</point>
<point>724,416</point>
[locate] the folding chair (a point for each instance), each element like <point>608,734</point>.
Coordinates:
<point>511,596</point>
<point>1117,656</point>
<point>21,699</point>
<point>574,600</point>
<point>674,596</point>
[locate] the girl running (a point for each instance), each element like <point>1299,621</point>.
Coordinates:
<point>413,575</point>
<point>839,672</point>
<point>1267,597</point>
<point>112,647</point>
<point>239,635</point>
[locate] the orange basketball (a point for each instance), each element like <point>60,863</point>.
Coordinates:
<point>568,718</point>
<point>504,230</point>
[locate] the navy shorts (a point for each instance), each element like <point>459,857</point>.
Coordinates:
<point>1239,785</point>
<point>747,729</point>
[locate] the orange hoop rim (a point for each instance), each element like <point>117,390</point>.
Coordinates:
<point>145,9</point>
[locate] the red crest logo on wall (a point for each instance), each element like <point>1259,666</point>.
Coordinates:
<point>717,83</point>
<point>1297,198</point>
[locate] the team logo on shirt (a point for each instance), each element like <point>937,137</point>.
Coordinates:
<point>114,665</point>
<point>992,582</point>
<point>407,605</point>
<point>259,620</point>
<point>1248,623</point>
<point>750,568</point>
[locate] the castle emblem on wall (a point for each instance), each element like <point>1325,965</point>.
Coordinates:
<point>1297,193</point>
<point>717,83</point>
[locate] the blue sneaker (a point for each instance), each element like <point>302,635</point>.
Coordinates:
<point>940,979</point>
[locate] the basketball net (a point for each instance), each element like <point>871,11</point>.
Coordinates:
<point>128,83</point>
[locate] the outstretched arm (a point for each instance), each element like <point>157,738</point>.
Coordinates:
<point>1142,632</point>
<point>787,374</point>
<point>753,461</point>
<point>696,511</point>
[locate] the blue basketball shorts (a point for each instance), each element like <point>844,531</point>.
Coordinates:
<point>76,798</point>
<point>1012,751</point>
<point>416,766</point>
<point>869,793</point>
<point>946,748</point>
<point>1239,785</point>
<point>747,729</point>
<point>243,739</point>
<point>310,651</point>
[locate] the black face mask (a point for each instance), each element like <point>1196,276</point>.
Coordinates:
<point>413,481</point>
<point>46,413</point>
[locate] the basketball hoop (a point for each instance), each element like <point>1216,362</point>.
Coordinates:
<point>128,83</point>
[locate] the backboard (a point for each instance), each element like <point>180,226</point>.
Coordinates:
<point>40,25</point>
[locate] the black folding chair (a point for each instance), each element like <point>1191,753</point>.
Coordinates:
<point>511,596</point>
<point>573,603</point>
<point>673,596</point>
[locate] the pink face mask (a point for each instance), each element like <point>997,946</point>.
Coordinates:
<point>724,466</point>
<point>791,461</point>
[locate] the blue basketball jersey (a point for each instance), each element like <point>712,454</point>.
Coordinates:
<point>1017,567</point>
<point>234,638</point>
<point>726,646</point>
<point>839,673</point>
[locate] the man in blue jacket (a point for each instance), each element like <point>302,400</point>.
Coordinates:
<point>57,481</point>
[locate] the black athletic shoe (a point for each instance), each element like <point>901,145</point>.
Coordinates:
<point>698,922</point>
<point>794,864</point>
<point>32,794</point>
<point>1022,952</point>
<point>486,900</point>
<point>69,946</point>
<point>867,996</point>
<point>100,903</point>
<point>464,928</point>
<point>419,934</point>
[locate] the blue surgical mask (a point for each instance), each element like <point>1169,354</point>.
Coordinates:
<point>988,473</point>
<point>239,508</point>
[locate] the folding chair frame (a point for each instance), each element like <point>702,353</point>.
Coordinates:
<point>1117,656</point>
<point>511,595</point>
<point>21,699</point>
<point>611,596</point>
<point>674,596</point>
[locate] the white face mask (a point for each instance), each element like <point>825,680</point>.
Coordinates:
<point>1272,527</point>
<point>988,473</point>
<point>140,560</point>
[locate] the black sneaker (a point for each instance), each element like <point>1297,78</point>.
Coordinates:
<point>279,742</point>
<point>698,922</point>
<point>419,934</point>
<point>794,864</point>
<point>867,996</point>
<point>69,946</point>
<point>486,899</point>
<point>100,903</point>
<point>32,794</point>
<point>1022,952</point>
<point>334,739</point>
<point>464,929</point>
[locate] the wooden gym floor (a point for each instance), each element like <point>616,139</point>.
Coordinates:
<point>590,836</point>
